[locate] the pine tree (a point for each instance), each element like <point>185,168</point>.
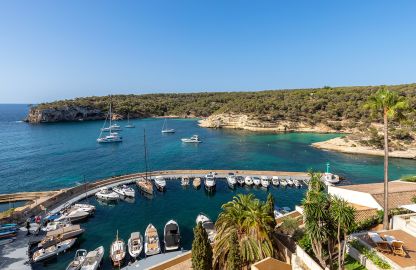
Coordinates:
<point>270,204</point>
<point>234,261</point>
<point>201,249</point>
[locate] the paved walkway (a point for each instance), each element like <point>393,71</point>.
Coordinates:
<point>148,262</point>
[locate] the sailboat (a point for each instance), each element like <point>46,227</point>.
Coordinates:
<point>144,183</point>
<point>165,128</point>
<point>128,122</point>
<point>113,136</point>
<point>117,251</point>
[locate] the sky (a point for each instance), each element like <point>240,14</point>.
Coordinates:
<point>52,50</point>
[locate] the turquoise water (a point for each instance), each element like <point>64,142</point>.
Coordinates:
<point>56,155</point>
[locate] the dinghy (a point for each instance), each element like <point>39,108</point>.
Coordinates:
<point>135,244</point>
<point>78,260</point>
<point>93,259</point>
<point>151,241</point>
<point>172,237</point>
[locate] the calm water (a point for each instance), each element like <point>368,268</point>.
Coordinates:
<point>52,156</point>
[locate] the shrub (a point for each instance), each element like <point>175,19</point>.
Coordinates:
<point>370,254</point>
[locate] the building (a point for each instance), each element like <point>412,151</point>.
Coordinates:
<point>270,264</point>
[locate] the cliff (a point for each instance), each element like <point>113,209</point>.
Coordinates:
<point>65,113</point>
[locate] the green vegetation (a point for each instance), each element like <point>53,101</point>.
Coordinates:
<point>201,249</point>
<point>323,105</point>
<point>234,261</point>
<point>370,254</point>
<point>352,264</point>
<point>409,178</point>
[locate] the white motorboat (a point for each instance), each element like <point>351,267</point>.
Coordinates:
<point>256,181</point>
<point>54,237</point>
<point>129,125</point>
<point>113,136</point>
<point>289,182</point>
<point>283,182</point>
<point>231,181</point>
<point>297,183</point>
<point>54,225</point>
<point>208,225</point>
<point>184,181</point>
<point>106,194</point>
<point>124,191</point>
<point>151,241</point>
<point>84,207</point>
<point>160,183</point>
<point>165,128</point>
<point>193,139</point>
<point>172,237</point>
<point>45,253</point>
<point>93,259</point>
<point>240,180</point>
<point>135,244</point>
<point>265,181</point>
<point>209,182</point>
<point>248,181</point>
<point>330,178</point>
<point>78,260</point>
<point>117,251</point>
<point>73,215</point>
<point>275,180</point>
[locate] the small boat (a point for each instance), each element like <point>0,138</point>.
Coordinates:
<point>73,215</point>
<point>256,180</point>
<point>151,241</point>
<point>275,180</point>
<point>93,259</point>
<point>54,225</point>
<point>248,181</point>
<point>160,183</point>
<point>128,122</point>
<point>330,178</point>
<point>84,207</point>
<point>240,180</point>
<point>208,225</point>
<point>196,183</point>
<point>185,181</point>
<point>283,182</point>
<point>117,251</point>
<point>135,244</point>
<point>290,182</point>
<point>265,181</point>
<point>145,186</point>
<point>165,128</point>
<point>111,138</point>
<point>297,183</point>
<point>45,253</point>
<point>124,191</point>
<point>172,237</point>
<point>113,127</point>
<point>209,182</point>
<point>106,194</point>
<point>231,181</point>
<point>193,139</point>
<point>59,235</point>
<point>78,260</point>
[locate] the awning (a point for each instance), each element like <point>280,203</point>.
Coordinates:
<point>411,207</point>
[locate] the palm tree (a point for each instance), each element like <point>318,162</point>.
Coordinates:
<point>390,105</point>
<point>248,218</point>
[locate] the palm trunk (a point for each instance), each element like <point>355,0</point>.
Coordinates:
<point>340,255</point>
<point>386,175</point>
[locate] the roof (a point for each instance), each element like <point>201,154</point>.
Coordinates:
<point>378,188</point>
<point>270,264</point>
<point>411,207</point>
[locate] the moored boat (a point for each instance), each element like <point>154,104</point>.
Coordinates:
<point>196,183</point>
<point>283,182</point>
<point>248,181</point>
<point>265,181</point>
<point>124,191</point>
<point>59,235</point>
<point>193,139</point>
<point>165,128</point>
<point>107,194</point>
<point>117,251</point>
<point>54,225</point>
<point>297,183</point>
<point>129,125</point>
<point>72,216</point>
<point>172,237</point>
<point>209,182</point>
<point>145,186</point>
<point>184,181</point>
<point>256,181</point>
<point>275,180</point>
<point>208,225</point>
<point>160,183</point>
<point>240,180</point>
<point>231,181</point>
<point>45,253</point>
<point>84,207</point>
<point>151,241</point>
<point>93,259</point>
<point>78,260</point>
<point>113,136</point>
<point>135,244</point>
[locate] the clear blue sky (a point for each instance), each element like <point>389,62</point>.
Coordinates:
<point>62,49</point>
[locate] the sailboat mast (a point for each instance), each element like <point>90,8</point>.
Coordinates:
<point>145,152</point>
<point>110,115</point>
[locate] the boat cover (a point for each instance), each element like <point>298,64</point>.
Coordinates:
<point>172,236</point>
<point>135,235</point>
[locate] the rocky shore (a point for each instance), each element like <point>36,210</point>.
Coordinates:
<point>62,114</point>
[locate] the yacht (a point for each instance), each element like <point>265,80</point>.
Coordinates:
<point>160,183</point>
<point>240,180</point>
<point>84,207</point>
<point>78,260</point>
<point>196,183</point>
<point>54,225</point>
<point>151,241</point>
<point>248,181</point>
<point>112,127</point>
<point>54,237</point>
<point>129,125</point>
<point>290,182</point>
<point>264,181</point>
<point>165,128</point>
<point>145,186</point>
<point>124,191</point>
<point>73,215</point>
<point>93,259</point>
<point>208,225</point>
<point>231,181</point>
<point>297,183</point>
<point>107,194</point>
<point>135,244</point>
<point>209,182</point>
<point>275,180</point>
<point>117,251</point>
<point>283,182</point>
<point>113,136</point>
<point>193,139</point>
<point>256,181</point>
<point>185,181</point>
<point>172,237</point>
<point>45,253</point>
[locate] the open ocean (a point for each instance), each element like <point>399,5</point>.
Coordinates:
<point>57,155</point>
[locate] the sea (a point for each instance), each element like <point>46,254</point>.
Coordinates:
<point>49,156</point>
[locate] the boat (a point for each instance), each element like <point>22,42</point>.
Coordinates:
<point>45,253</point>
<point>172,237</point>
<point>289,182</point>
<point>184,181</point>
<point>151,241</point>
<point>113,136</point>
<point>8,226</point>
<point>193,139</point>
<point>231,181</point>
<point>240,180</point>
<point>124,191</point>
<point>54,225</point>
<point>8,230</point>
<point>265,181</point>
<point>54,237</point>
<point>196,183</point>
<point>248,181</point>
<point>93,259</point>
<point>7,241</point>
<point>143,183</point>
<point>275,180</point>
<point>78,260</point>
<point>209,182</point>
<point>330,178</point>
<point>117,251</point>
<point>135,244</point>
<point>84,207</point>
<point>160,183</point>
<point>208,225</point>
<point>112,127</point>
<point>165,128</point>
<point>283,182</point>
<point>256,180</point>
<point>73,215</point>
<point>297,183</point>
<point>107,194</point>
<point>128,122</point>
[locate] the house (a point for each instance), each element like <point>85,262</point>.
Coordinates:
<point>270,264</point>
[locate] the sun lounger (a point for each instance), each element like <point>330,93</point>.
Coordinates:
<point>381,245</point>
<point>396,246</point>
